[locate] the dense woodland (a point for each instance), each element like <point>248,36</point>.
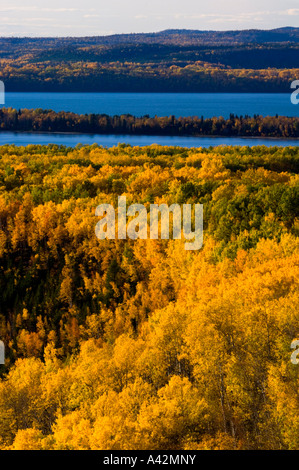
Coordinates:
<point>170,61</point>
<point>122,344</point>
<point>126,344</point>
<point>39,120</point>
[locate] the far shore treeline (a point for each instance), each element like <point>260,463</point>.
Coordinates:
<point>39,120</point>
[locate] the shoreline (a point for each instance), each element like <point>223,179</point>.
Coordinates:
<point>208,136</point>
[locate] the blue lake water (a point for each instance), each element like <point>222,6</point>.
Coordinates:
<point>71,140</point>
<point>160,104</point>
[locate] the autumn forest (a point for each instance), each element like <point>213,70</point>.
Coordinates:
<point>122,344</point>
<point>41,120</point>
<point>169,61</point>
<point>139,344</point>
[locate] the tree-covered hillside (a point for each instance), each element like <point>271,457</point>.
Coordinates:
<point>172,60</point>
<point>140,344</point>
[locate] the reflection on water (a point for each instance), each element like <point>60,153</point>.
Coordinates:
<point>71,140</point>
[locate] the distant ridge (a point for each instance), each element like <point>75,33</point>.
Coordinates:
<point>285,34</point>
<point>170,36</point>
<point>175,60</point>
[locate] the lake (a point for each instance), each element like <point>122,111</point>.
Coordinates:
<point>160,104</point>
<point>71,140</point>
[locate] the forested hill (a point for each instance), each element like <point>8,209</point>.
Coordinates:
<point>169,36</point>
<point>286,34</point>
<point>140,344</point>
<point>171,60</point>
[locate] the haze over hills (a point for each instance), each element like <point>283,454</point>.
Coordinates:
<point>287,34</point>
<point>171,36</point>
<point>189,36</point>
